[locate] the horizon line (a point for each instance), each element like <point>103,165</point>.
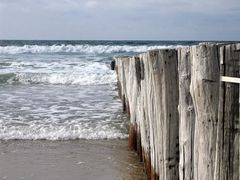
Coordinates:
<point>116,40</point>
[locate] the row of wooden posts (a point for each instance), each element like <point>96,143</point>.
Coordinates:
<point>183,106</point>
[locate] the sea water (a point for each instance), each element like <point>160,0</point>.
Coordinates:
<point>61,90</point>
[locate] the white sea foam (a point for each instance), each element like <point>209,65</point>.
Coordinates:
<point>81,74</point>
<point>64,132</point>
<point>86,49</point>
<point>64,78</point>
<point>60,113</point>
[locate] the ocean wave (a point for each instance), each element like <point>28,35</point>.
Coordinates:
<point>61,113</point>
<point>57,78</point>
<point>85,49</point>
<point>80,74</point>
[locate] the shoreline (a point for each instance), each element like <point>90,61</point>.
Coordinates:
<point>72,160</point>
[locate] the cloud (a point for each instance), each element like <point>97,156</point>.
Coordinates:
<point>91,4</point>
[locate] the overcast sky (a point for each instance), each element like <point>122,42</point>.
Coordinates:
<point>120,19</point>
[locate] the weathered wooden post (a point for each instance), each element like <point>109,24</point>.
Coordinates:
<point>227,157</point>
<point>205,94</point>
<point>168,118</point>
<point>186,115</point>
<point>159,91</point>
<point>142,112</point>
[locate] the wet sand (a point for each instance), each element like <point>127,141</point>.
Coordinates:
<point>69,160</point>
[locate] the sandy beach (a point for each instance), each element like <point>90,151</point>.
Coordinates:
<point>69,160</point>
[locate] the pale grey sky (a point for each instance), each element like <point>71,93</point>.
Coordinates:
<point>120,19</point>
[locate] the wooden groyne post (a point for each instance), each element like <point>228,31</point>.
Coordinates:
<point>183,106</point>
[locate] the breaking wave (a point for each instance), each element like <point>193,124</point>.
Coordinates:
<point>57,78</point>
<point>87,74</point>
<point>86,49</point>
<point>45,78</point>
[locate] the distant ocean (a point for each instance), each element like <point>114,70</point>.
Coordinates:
<point>61,90</point>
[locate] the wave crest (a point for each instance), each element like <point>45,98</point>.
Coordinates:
<point>86,49</point>
<point>57,78</point>
<point>85,74</point>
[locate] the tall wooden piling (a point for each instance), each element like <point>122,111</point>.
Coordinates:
<point>227,157</point>
<point>161,100</point>
<point>186,115</point>
<point>204,89</point>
